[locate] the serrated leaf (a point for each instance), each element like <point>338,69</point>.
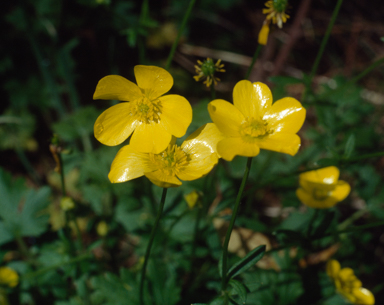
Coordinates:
<point>240,289</point>
<point>246,262</point>
<point>349,146</point>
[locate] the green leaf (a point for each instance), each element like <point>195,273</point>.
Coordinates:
<point>349,146</point>
<point>288,236</point>
<point>246,262</point>
<point>285,80</point>
<point>239,289</point>
<point>327,162</point>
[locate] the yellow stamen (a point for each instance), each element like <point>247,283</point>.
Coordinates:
<point>171,160</point>
<point>147,111</point>
<point>254,128</point>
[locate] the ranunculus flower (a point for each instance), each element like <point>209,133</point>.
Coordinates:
<point>322,188</point>
<point>192,160</point>
<point>151,117</point>
<point>8,277</point>
<point>253,122</point>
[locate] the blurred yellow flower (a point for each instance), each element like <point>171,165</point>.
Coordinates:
<point>264,32</point>
<point>321,188</point>
<point>207,70</point>
<point>102,228</point>
<point>348,285</point>
<point>275,11</point>
<point>192,198</point>
<point>252,122</point>
<point>190,161</point>
<point>150,117</point>
<point>67,203</point>
<point>8,277</point>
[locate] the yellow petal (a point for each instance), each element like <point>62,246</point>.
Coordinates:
<point>308,199</point>
<point>363,296</point>
<point>155,81</point>
<point>226,117</point>
<point>200,147</point>
<point>150,138</point>
<point>263,34</point>
<point>252,99</point>
<point>176,114</point>
<point>228,148</point>
<point>160,179</point>
<point>286,115</point>
<point>333,268</point>
<point>346,274</point>
<point>115,125</point>
<point>129,164</point>
<point>328,175</point>
<point>115,87</point>
<point>341,191</point>
<point>280,142</point>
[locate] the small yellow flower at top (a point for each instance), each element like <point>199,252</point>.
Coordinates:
<point>149,116</point>
<point>8,277</point>
<point>322,188</point>
<point>67,203</point>
<point>348,285</point>
<point>207,69</point>
<point>275,12</point>
<point>252,122</point>
<point>192,160</point>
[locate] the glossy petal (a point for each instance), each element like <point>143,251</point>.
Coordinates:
<point>307,199</point>
<point>115,87</point>
<point>286,115</point>
<point>154,81</point>
<point>252,99</point>
<point>280,142</point>
<point>150,137</point>
<point>226,117</point>
<point>333,268</point>
<point>201,148</point>
<point>327,175</point>
<point>176,114</point>
<point>363,296</point>
<point>162,180</point>
<point>129,164</point>
<point>341,191</point>
<point>115,125</point>
<point>228,148</point>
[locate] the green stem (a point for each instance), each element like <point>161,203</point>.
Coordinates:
<point>346,223</point>
<point>322,48</point>
<point>255,56</point>
<point>149,246</point>
<point>224,257</point>
<point>176,42</point>
<point>367,70</point>
<point>213,91</point>
<point>62,177</point>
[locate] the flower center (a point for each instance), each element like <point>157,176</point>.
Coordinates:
<point>147,111</point>
<point>319,194</point>
<point>171,160</point>
<point>255,128</point>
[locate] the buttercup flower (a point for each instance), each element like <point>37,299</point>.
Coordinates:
<point>321,188</point>
<point>207,70</point>
<point>190,161</point>
<point>252,122</point>
<point>8,277</point>
<point>263,34</point>
<point>150,117</point>
<point>275,11</point>
<point>348,285</point>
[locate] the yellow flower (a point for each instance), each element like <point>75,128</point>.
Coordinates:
<point>151,118</point>
<point>207,70</point>
<point>66,203</point>
<point>264,32</point>
<point>190,161</point>
<point>348,285</point>
<point>102,228</point>
<point>252,122</point>
<point>321,188</point>
<point>8,277</point>
<point>192,198</point>
<point>275,11</point>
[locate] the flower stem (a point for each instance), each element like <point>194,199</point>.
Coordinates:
<point>176,42</point>
<point>213,91</point>
<point>149,246</point>
<point>255,56</point>
<point>224,280</point>
<point>322,48</point>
